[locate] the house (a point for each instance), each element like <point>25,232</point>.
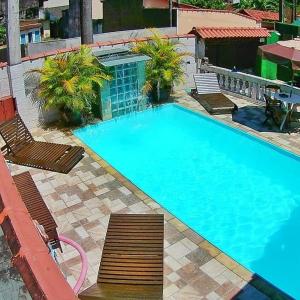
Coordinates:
<point>63,17</point>
<point>230,47</point>
<point>28,9</point>
<point>227,38</point>
<point>138,14</point>
<point>189,18</point>
<point>266,18</point>
<point>30,31</point>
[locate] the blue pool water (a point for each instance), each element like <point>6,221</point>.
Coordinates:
<point>240,193</point>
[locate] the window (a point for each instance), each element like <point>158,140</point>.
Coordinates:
<point>29,37</point>
<point>37,36</point>
<point>23,39</point>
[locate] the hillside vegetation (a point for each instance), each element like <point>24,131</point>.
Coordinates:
<point>272,5</point>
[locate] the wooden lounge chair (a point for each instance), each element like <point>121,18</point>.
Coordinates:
<point>21,148</point>
<point>36,206</point>
<point>132,259</point>
<point>209,95</point>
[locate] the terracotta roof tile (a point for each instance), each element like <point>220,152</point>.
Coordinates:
<point>29,24</point>
<point>227,32</point>
<point>261,15</point>
<point>100,44</point>
<point>3,64</point>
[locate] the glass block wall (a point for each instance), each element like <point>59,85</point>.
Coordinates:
<point>123,94</point>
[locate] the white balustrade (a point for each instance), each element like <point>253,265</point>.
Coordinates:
<point>246,84</point>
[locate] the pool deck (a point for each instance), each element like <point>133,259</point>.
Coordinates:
<point>82,201</point>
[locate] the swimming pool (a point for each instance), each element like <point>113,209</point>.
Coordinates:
<point>239,192</point>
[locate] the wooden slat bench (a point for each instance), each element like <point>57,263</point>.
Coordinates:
<point>21,148</point>
<point>36,206</point>
<point>132,259</point>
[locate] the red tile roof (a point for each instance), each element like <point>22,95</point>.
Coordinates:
<point>99,44</point>
<point>227,32</point>
<point>261,15</point>
<point>26,25</point>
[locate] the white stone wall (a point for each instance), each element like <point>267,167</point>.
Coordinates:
<point>30,113</point>
<point>4,83</point>
<point>26,109</point>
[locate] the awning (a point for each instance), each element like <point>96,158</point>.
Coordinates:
<point>281,55</point>
<point>230,32</point>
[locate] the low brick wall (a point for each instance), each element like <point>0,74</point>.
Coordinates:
<point>40,273</point>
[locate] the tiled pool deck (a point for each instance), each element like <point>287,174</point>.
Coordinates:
<point>82,201</point>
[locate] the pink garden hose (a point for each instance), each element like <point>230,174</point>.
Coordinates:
<point>84,261</point>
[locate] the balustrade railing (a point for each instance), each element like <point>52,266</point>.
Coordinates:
<point>247,85</point>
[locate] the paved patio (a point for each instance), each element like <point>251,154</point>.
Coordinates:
<point>82,201</point>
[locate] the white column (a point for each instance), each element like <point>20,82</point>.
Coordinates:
<point>15,68</point>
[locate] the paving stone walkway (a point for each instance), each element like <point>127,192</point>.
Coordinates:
<point>82,201</point>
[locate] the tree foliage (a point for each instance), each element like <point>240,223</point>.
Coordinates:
<point>272,5</point>
<point>69,82</point>
<point>2,34</point>
<point>215,4</point>
<point>165,67</point>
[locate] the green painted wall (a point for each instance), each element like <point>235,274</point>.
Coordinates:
<point>130,14</point>
<point>264,67</point>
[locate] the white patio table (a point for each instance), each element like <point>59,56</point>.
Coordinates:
<point>289,101</point>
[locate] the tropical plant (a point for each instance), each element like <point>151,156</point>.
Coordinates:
<point>272,5</point>
<point>69,82</point>
<point>215,4</point>
<point>164,69</point>
<point>2,35</point>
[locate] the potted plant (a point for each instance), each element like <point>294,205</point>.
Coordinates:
<point>165,67</point>
<point>69,83</point>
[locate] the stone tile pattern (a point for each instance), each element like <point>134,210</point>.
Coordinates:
<point>82,201</point>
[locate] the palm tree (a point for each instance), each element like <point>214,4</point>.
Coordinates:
<point>215,4</point>
<point>165,67</point>
<point>86,22</point>
<point>171,12</point>
<point>74,18</point>
<point>13,32</point>
<point>70,83</point>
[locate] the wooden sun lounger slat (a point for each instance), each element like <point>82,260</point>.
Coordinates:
<point>111,266</point>
<point>132,259</point>
<point>36,206</point>
<point>209,95</point>
<point>22,149</point>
